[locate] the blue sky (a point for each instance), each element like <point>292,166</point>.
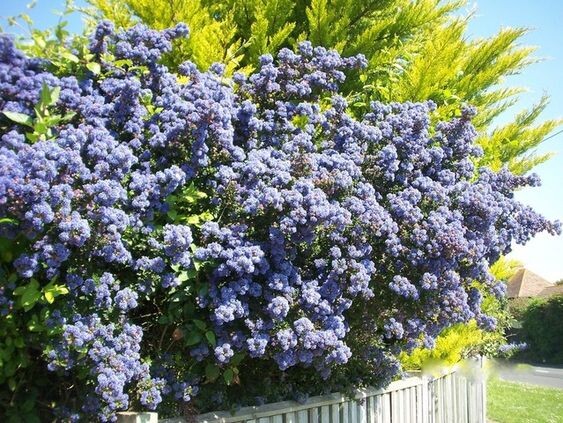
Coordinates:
<point>543,254</point>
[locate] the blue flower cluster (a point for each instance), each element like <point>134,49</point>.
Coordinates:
<point>510,349</point>
<point>333,237</point>
<point>384,212</point>
<point>90,201</point>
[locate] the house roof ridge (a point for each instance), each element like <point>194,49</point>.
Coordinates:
<point>526,283</point>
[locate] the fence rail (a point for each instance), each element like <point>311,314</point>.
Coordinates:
<point>456,397</point>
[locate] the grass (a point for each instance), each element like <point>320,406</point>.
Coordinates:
<point>511,402</point>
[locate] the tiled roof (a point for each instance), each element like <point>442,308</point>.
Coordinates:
<point>552,290</point>
<point>525,283</point>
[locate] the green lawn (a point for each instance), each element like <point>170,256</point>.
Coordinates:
<point>510,402</point>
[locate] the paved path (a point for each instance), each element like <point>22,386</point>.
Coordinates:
<point>544,376</point>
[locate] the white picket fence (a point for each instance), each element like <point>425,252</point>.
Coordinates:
<point>459,396</point>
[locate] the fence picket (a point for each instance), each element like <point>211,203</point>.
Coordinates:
<point>344,415</point>
<point>335,413</point>
<point>407,405</point>
<point>353,407</point>
<point>314,415</point>
<point>424,401</point>
<point>325,414</point>
<point>378,401</point>
<point>363,410</point>
<point>370,409</point>
<point>450,398</point>
<point>386,408</point>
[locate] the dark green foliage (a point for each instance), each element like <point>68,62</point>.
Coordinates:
<point>542,330</point>
<point>22,332</point>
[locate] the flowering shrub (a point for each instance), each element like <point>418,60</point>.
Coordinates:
<point>508,350</point>
<point>177,238</point>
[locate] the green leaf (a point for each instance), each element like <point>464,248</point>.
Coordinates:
<point>203,290</point>
<point>60,290</point>
<point>300,121</point>
<point>197,265</point>
<point>211,338</point>
<point>94,67</point>
<point>34,325</point>
<point>33,283</point>
<point>205,216</point>
<point>70,57</point>
<point>19,118</point>
<point>10,368</point>
<point>40,127</point>
<point>30,295</point>
<point>45,95</point>
<point>50,297</point>
<point>28,405</point>
<point>228,376</point>
<point>187,275</point>
<point>7,221</point>
<point>199,324</point>
<point>171,199</point>
<point>237,358</point>
<point>193,338</point>
<point>122,63</point>
<point>48,97</point>
<point>191,194</point>
<point>26,18</point>
<point>211,372</point>
<point>33,137</point>
<point>54,94</point>
<point>193,220</point>
<point>53,280</point>
<point>19,290</point>
<point>52,291</point>
<point>39,40</point>
<point>68,117</point>
<point>18,342</point>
